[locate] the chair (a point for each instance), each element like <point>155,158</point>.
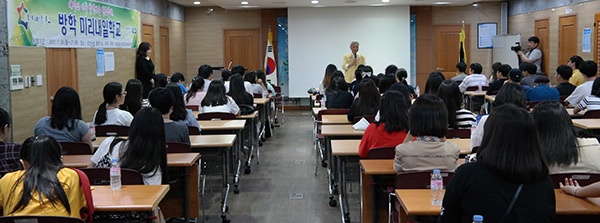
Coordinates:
<point>476,88</point>
<point>193,130</point>
<point>193,107</point>
<point>583,179</point>
<point>216,116</point>
<point>279,105</point>
<point>591,114</point>
<point>101,176</point>
<point>75,148</point>
<point>388,152</point>
<point>112,130</point>
<point>369,118</point>
<point>319,138</point>
<point>177,147</point>
<point>257,95</point>
<point>45,219</point>
<point>458,133</point>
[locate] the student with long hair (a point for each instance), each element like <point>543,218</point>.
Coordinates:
<point>64,124</point>
<point>180,113</point>
<point>425,147</point>
<point>563,150</point>
<point>337,95</point>
<point>385,82</point>
<point>144,150</point>
<point>133,98</point>
<point>226,78</point>
<point>163,100</point>
<point>258,86</point>
<point>327,77</point>
<point>433,82</point>
<point>144,68</point>
<point>108,112</point>
<point>45,187</point>
<point>367,102</point>
<point>357,78</point>
<point>509,164</point>
<point>392,127</point>
<point>217,101</point>
<point>260,75</point>
<point>9,152</point>
<point>196,93</point>
<point>238,92</point>
<point>458,118</point>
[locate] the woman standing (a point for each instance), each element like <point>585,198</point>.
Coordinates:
<point>144,68</point>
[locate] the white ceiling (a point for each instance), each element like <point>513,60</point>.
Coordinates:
<point>236,4</point>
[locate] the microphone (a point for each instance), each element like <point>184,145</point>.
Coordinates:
<point>355,56</point>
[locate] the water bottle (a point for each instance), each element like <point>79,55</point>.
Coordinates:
<point>115,175</point>
<point>437,186</point>
<point>93,131</point>
<point>477,219</point>
<point>417,91</point>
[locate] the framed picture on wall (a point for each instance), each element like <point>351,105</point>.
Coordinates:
<point>485,33</point>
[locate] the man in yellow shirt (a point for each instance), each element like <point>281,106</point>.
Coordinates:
<point>351,62</point>
<point>577,78</point>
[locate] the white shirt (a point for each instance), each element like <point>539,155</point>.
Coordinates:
<point>477,135</point>
<point>226,83</point>
<point>580,92</point>
<point>230,107</point>
<point>473,80</point>
<point>116,117</point>
<point>247,86</point>
<point>258,89</point>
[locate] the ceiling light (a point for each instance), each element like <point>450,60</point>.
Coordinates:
<point>475,4</point>
<point>441,3</point>
<point>314,2</point>
<point>385,1</point>
<point>244,3</point>
<point>197,3</point>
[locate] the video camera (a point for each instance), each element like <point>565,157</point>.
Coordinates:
<point>516,48</point>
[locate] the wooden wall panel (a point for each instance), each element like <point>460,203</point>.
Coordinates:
<point>204,34</point>
<point>425,43</point>
<point>30,104</point>
<point>177,47</point>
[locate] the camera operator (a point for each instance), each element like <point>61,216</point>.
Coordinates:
<point>534,55</point>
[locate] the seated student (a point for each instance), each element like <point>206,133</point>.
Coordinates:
<point>217,101</point>
<point>529,74</point>
<point>239,69</point>
<point>510,93</point>
<point>179,79</point>
<point>433,82</point>
<point>563,75</point>
<point>205,72</point>
<point>392,127</point>
<point>515,76</point>
<point>180,113</point>
<point>163,100</point>
<point>577,78</point>
<point>401,76</point>
<point>45,187</point>
<point>108,112</point>
<point>367,101</point>
<point>327,77</point>
<point>501,76</point>
<point>143,150</point>
<point>160,80</point>
<point>426,148</point>
<point>258,87</point>
<point>495,68</point>
<point>337,95</point>
<point>591,102</point>
<point>458,118</point>
<point>238,92</point>
<point>133,98</point>
<point>564,152</point>
<point>541,91</point>
<point>260,75</point>
<point>461,68</point>
<point>64,124</point>
<point>357,78</point>
<point>196,93</point>
<point>510,168</point>
<point>225,77</point>
<point>589,69</point>
<point>9,152</point>
<point>385,82</point>
<point>475,79</point>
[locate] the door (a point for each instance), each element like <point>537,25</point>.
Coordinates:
<point>567,38</point>
<point>596,39</point>
<point>148,36</point>
<point>164,51</point>
<point>447,40</point>
<point>543,32</point>
<point>61,68</point>
<point>242,47</point>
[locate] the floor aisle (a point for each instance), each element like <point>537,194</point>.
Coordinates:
<point>282,188</point>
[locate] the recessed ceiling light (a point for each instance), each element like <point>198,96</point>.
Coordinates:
<point>197,3</point>
<point>441,3</point>
<point>385,1</point>
<point>475,4</point>
<point>314,2</point>
<point>244,3</point>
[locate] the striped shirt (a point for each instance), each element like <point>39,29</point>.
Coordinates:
<point>591,102</point>
<point>464,118</point>
<point>10,154</point>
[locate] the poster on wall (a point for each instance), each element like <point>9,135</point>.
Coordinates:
<point>586,41</point>
<point>282,55</point>
<point>71,24</point>
<point>485,33</point>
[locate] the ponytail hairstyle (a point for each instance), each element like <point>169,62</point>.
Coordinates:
<point>110,93</point>
<point>43,154</point>
<point>197,85</point>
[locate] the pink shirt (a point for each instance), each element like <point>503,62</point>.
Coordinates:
<point>195,100</point>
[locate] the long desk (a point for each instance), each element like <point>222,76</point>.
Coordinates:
<point>587,124</point>
<point>197,141</point>
<point>129,198</point>
<point>334,119</point>
<point>172,206</point>
<point>417,202</point>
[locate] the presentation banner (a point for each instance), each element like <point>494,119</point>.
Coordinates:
<point>71,24</point>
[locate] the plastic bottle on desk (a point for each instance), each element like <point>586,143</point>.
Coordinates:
<point>437,187</point>
<point>115,175</point>
<point>93,131</point>
<point>477,219</point>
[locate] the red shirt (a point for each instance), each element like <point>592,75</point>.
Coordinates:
<point>376,136</point>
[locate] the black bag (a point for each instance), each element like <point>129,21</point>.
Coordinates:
<point>247,109</point>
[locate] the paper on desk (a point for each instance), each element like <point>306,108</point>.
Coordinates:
<point>361,125</point>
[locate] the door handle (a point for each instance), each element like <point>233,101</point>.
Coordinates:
<point>439,69</point>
